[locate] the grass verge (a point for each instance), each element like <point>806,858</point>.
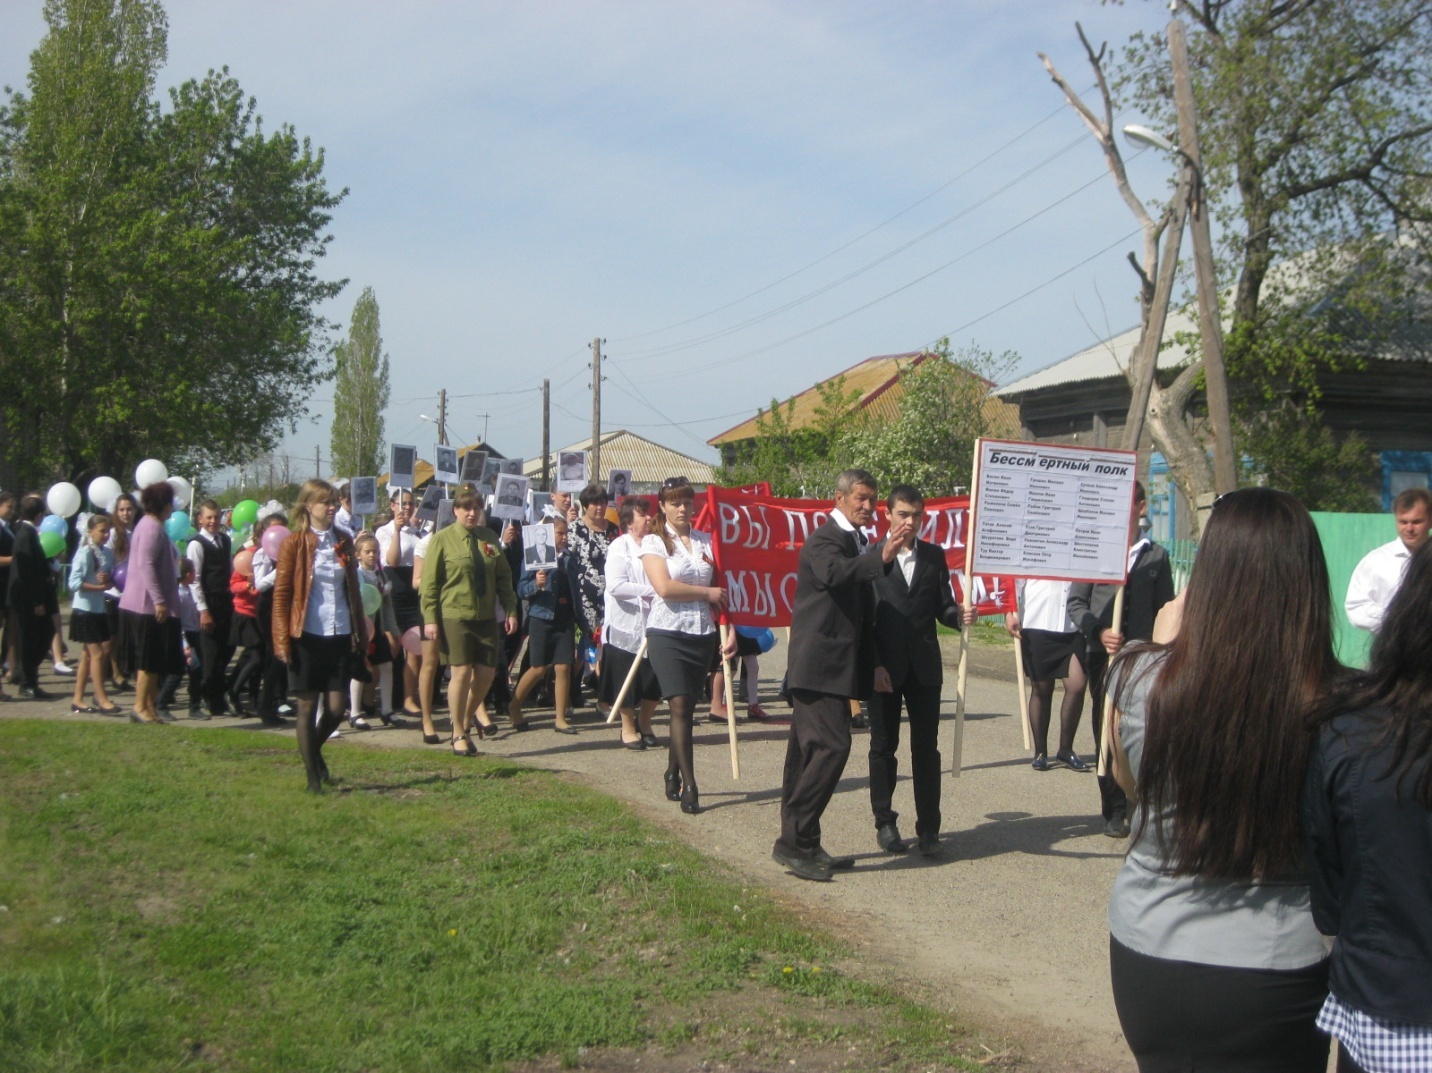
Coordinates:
<point>173,900</point>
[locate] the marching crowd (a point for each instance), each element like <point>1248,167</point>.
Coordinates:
<point>1273,798</point>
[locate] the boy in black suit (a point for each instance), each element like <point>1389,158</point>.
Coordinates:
<point>831,660</point>
<point>33,603</point>
<point>909,601</point>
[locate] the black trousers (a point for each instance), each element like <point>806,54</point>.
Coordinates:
<point>1182,1015</point>
<point>816,751</point>
<point>1112,799</point>
<point>922,702</point>
<point>215,652</point>
<point>35,633</point>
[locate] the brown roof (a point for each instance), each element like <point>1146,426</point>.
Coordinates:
<point>423,469</point>
<point>650,463</point>
<point>878,381</point>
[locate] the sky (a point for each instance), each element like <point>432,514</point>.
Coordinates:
<point>739,198</point>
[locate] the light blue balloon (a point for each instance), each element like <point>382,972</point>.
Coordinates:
<point>53,523</point>
<point>178,525</point>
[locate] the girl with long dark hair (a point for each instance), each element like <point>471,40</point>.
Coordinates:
<point>1368,820</point>
<point>1215,961</point>
<point>681,626</point>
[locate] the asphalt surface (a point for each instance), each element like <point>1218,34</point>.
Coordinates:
<point>1009,926</point>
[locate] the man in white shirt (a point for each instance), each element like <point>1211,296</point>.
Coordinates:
<point>1377,577</point>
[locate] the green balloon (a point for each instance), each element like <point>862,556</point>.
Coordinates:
<point>245,513</point>
<point>52,543</point>
<point>372,599</point>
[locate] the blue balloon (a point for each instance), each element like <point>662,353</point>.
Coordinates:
<point>178,525</point>
<point>53,523</point>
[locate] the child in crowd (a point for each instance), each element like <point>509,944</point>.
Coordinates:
<point>189,624</point>
<point>380,651</point>
<point>243,684</point>
<point>89,627</point>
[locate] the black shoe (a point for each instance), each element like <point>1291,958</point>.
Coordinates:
<point>564,730</point>
<point>649,740</point>
<point>859,722</point>
<point>889,838</point>
<point>821,857</point>
<point>82,709</point>
<point>1071,761</point>
<point>638,745</point>
<point>690,801</point>
<point>802,867</point>
<point>431,739</point>
<point>1040,762</point>
<point>929,845</point>
<point>199,713</point>
<point>672,779</point>
<point>35,693</point>
<point>1117,826</point>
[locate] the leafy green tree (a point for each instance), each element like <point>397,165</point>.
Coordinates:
<point>158,284</point>
<point>360,393</point>
<point>803,461</point>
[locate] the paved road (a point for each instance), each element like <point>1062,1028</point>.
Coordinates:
<point>1009,926</point>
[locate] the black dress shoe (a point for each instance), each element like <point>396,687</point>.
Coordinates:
<point>690,801</point>
<point>859,722</point>
<point>1117,826</point>
<point>1071,761</point>
<point>929,845</point>
<point>889,838</point>
<point>672,779</point>
<point>802,867</point>
<point>649,740</point>
<point>1040,762</point>
<point>834,863</point>
<point>564,730</point>
<point>431,739</point>
<point>35,693</point>
<point>637,745</point>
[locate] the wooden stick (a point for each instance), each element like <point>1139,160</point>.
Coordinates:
<point>727,631</point>
<point>626,685</point>
<point>1023,693</point>
<point>958,749</point>
<point>1108,713</point>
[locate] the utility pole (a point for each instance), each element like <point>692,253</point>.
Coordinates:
<point>546,435</point>
<point>1215,373</point>
<point>596,455</point>
<point>442,416</point>
<point>318,462</point>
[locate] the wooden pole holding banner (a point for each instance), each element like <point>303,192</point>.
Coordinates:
<point>626,685</point>
<point>1107,717</point>
<point>1023,693</point>
<point>726,632</point>
<point>957,750</point>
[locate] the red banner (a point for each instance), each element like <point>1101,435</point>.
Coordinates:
<point>757,540</point>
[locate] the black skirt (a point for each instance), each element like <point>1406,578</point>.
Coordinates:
<point>616,665</point>
<point>1047,654</point>
<point>681,661</point>
<point>407,609</point>
<point>244,632</point>
<point>89,627</point>
<point>320,664</point>
<point>549,643</point>
<point>146,644</point>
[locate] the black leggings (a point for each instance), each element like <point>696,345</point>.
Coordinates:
<point>1184,1016</point>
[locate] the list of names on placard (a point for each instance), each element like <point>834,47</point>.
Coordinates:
<point>1053,512</point>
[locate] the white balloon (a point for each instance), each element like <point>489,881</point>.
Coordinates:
<point>64,499</point>
<point>150,471</point>
<point>183,490</point>
<point>103,491</point>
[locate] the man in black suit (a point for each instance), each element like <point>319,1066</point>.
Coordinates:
<point>909,601</point>
<point>33,603</point>
<point>831,660</point>
<point>7,550</point>
<point>1091,607</point>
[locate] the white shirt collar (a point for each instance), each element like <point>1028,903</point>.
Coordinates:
<point>841,520</point>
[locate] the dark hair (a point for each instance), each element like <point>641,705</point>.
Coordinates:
<point>156,497</point>
<point>1399,678</point>
<point>904,493</point>
<point>1228,738</point>
<point>6,497</point>
<point>629,508</point>
<point>593,493</point>
<point>672,488</point>
<point>467,498</point>
<point>1412,497</point>
<point>1139,496</point>
<point>31,508</point>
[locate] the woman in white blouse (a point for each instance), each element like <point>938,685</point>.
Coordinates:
<point>1053,648</point>
<point>627,600</point>
<point>397,542</point>
<point>681,628</point>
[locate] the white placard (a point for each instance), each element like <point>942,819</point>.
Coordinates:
<point>472,465</point>
<point>428,505</point>
<point>1047,511</point>
<point>491,467</point>
<point>618,485</point>
<point>539,505</point>
<point>445,469</point>
<point>571,471</point>
<point>509,465</point>
<point>539,547</point>
<point>364,491</point>
<point>510,501</point>
<point>402,472</point>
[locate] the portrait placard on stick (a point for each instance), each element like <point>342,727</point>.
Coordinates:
<point>445,514</point>
<point>364,491</point>
<point>1046,511</point>
<point>539,505</point>
<point>510,500</point>
<point>401,473</point>
<point>445,468</point>
<point>510,465</point>
<point>491,467</point>
<point>618,485</point>
<point>571,471</point>
<point>472,465</point>
<point>428,507</point>
<point>539,547</point>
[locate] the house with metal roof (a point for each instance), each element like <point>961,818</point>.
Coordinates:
<point>649,462</point>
